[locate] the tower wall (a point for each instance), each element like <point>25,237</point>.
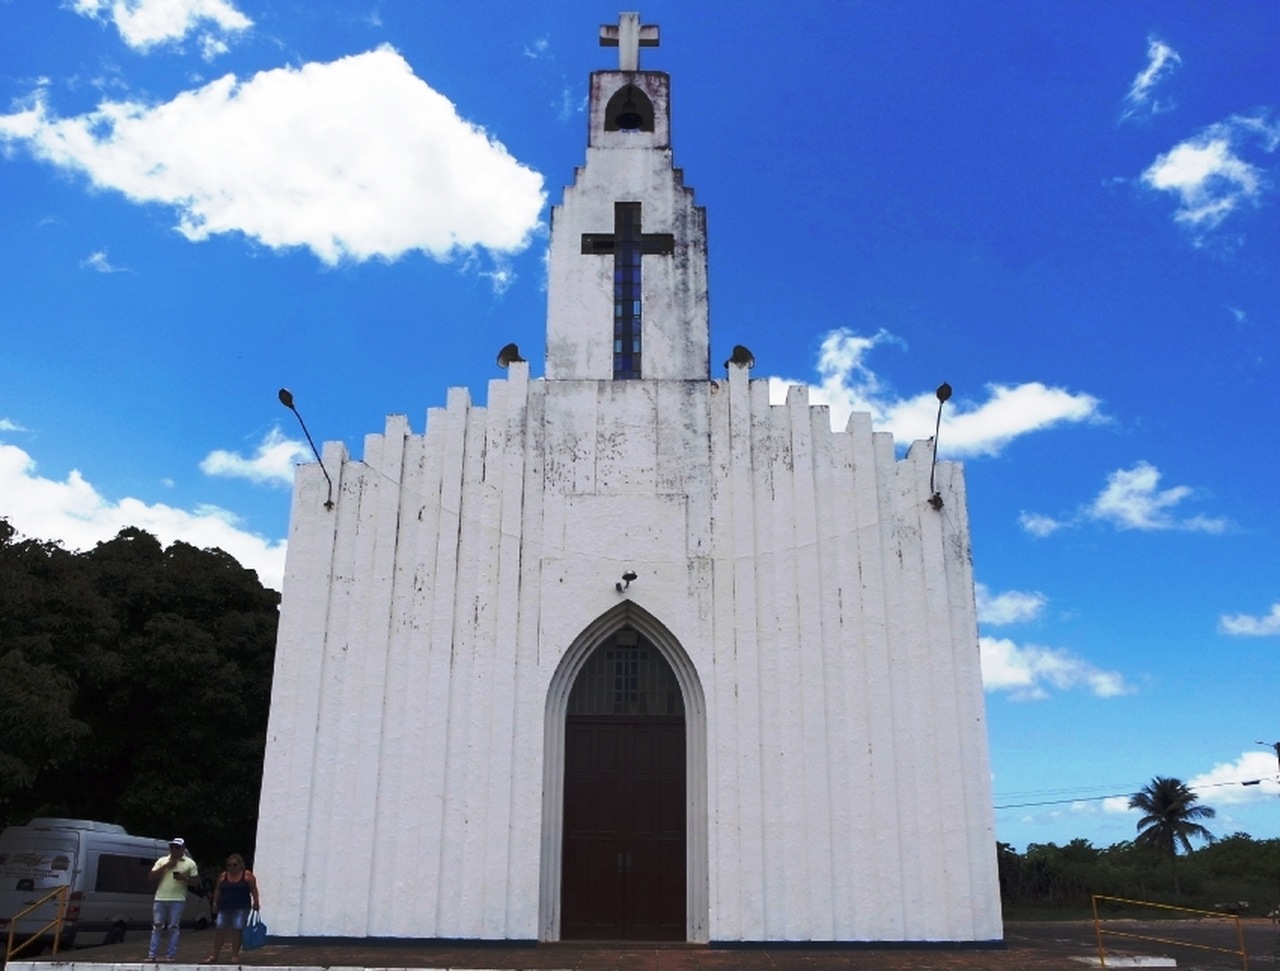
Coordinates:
<point>628,167</point>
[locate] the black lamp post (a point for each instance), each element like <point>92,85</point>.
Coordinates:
<point>286,399</point>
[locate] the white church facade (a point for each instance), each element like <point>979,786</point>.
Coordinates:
<point>628,652</point>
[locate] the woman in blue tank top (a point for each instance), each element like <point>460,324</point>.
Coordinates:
<point>235,893</point>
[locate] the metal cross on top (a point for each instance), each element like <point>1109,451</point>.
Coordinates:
<point>628,37</point>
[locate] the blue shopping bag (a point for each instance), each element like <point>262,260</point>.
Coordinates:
<point>255,932</point>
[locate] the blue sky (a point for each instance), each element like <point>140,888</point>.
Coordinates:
<point>1067,211</point>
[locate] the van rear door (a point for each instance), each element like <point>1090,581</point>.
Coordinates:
<point>32,863</point>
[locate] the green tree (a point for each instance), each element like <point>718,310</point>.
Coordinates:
<point>39,728</point>
<point>134,686</point>
<point>1170,819</point>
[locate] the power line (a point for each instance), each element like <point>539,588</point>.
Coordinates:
<point>1119,795</point>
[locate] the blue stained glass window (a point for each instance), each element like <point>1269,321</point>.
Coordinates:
<point>628,245</point>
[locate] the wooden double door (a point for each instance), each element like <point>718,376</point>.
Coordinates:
<point>624,829</point>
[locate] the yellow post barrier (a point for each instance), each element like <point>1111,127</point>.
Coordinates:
<point>1098,929</point>
<point>61,894</point>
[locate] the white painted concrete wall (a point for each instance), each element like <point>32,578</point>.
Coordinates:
<point>825,608</point>
<point>818,612</point>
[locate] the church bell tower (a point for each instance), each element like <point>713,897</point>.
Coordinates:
<point>627,291</point>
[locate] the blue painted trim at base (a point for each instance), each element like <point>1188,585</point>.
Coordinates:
<point>486,943</point>
<point>475,942</point>
<point>991,945</point>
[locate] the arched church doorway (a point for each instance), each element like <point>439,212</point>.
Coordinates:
<point>624,861</point>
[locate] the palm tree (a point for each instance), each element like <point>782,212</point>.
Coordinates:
<point>1169,818</point>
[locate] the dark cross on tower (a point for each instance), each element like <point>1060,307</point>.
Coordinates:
<point>628,37</point>
<point>627,244</point>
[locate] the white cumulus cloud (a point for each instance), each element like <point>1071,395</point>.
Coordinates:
<point>1243,625</point>
<point>1029,672</point>
<point>969,428</point>
<point>145,24</point>
<point>354,159</point>
<point>1010,607</point>
<point>1223,784</point>
<point>1208,173</point>
<point>1038,524</point>
<point>1132,499</point>
<point>273,460</point>
<point>100,263</point>
<point>1162,61</point>
<point>74,513</point>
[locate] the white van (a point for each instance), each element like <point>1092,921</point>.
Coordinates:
<point>107,870</point>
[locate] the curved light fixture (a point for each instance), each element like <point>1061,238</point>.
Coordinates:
<point>286,399</point>
<point>943,393</point>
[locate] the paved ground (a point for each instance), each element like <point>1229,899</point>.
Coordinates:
<point>1029,946</point>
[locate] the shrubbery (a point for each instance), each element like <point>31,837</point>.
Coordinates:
<point>1224,871</point>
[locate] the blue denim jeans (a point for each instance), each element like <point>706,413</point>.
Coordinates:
<point>165,914</point>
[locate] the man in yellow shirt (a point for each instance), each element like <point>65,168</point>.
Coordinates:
<point>171,875</point>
